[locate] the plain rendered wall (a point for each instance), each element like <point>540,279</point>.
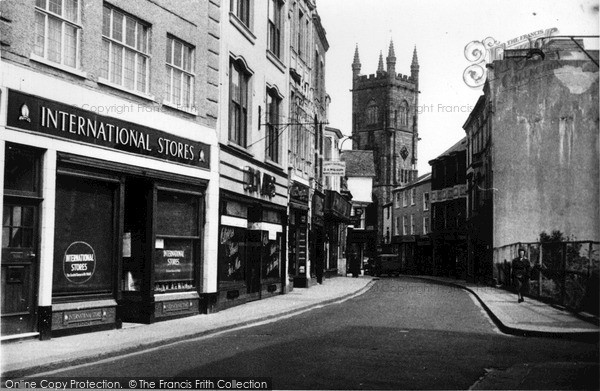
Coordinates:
<point>545,149</point>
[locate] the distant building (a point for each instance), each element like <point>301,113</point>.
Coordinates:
<point>362,232</point>
<point>337,204</point>
<point>385,121</point>
<point>533,153</point>
<point>411,225</point>
<point>448,213</point>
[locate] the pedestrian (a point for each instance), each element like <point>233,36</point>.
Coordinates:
<point>520,274</point>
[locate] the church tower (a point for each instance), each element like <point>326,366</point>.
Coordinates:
<point>385,120</point>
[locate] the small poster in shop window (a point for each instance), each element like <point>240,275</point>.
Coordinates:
<point>174,261</point>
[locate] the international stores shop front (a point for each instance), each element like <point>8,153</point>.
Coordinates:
<point>93,237</point>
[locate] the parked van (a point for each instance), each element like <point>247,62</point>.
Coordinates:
<point>388,264</point>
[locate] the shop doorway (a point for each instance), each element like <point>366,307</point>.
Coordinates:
<point>20,240</point>
<point>254,261</point>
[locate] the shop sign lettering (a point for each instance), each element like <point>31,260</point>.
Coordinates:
<point>79,262</point>
<point>253,182</point>
<point>299,193</point>
<point>56,119</point>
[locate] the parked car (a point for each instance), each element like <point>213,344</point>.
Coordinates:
<point>388,264</point>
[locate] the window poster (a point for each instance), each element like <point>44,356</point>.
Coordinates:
<point>174,266</point>
<point>232,245</point>
<point>272,256</point>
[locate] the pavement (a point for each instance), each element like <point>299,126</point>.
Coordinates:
<point>31,356</point>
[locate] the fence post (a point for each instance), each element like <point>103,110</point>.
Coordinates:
<point>590,260</point>
<point>541,263</point>
<point>563,293</point>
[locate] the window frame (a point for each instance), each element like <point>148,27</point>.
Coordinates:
<point>274,27</point>
<point>172,68</point>
<point>238,129</point>
<point>124,48</point>
<point>272,144</point>
<point>243,14</point>
<point>426,201</point>
<point>76,24</point>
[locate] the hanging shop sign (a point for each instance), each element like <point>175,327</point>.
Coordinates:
<point>79,262</point>
<point>334,168</point>
<point>69,122</point>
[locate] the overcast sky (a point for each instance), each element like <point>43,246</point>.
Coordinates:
<point>440,30</point>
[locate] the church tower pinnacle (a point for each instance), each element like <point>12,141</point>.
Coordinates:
<point>391,61</point>
<point>356,64</point>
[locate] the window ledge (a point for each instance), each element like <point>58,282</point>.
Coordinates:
<point>273,164</point>
<point>108,83</point>
<point>276,61</point>
<point>42,60</point>
<point>242,28</point>
<point>239,148</point>
<point>189,110</point>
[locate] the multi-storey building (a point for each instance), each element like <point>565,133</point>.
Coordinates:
<point>533,158</point>
<point>308,103</point>
<point>448,211</point>
<point>337,206</point>
<point>253,158</point>
<point>362,230</point>
<point>411,225</point>
<point>480,191</point>
<point>109,162</point>
<point>385,120</point>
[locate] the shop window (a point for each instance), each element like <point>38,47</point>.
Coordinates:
<point>272,256</point>
<point>180,73</point>
<point>177,241</point>
<point>85,233</point>
<point>125,55</point>
<point>21,174</point>
<point>232,254</point>
<point>58,31</point>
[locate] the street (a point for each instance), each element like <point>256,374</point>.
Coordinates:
<point>401,334</point>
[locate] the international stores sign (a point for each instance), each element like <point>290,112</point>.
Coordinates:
<point>334,168</point>
<point>52,118</point>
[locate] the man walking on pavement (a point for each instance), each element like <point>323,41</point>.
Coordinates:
<point>520,274</point>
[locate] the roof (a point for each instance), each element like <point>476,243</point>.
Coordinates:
<point>358,163</point>
<point>422,179</point>
<point>336,131</point>
<point>459,146</point>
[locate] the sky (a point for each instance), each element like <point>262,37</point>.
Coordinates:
<point>440,30</point>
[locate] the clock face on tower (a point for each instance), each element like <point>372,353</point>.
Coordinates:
<point>404,152</point>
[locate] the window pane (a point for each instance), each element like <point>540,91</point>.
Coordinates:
<point>169,51</point>
<point>54,38</point>
<point>27,216</point>
<point>235,84</point>
<point>130,32</point>
<point>177,214</point>
<point>40,34</point>
<point>177,52</point>
<point>71,7</point>
<point>177,86</point>
<point>106,22</point>
<point>169,81</point>
<point>117,63</point>
<point>129,79</point>
<point>70,46</point>
<point>105,57</point>
<point>5,237</point>
<point>20,170</point>
<point>55,6</point>
<point>187,59</point>
<point>15,238</point>
<point>16,216</point>
<point>142,71</point>
<point>142,38</point>
<point>187,82</point>
<point>117,32</point>
<point>7,213</point>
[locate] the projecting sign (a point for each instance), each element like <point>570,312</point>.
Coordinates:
<point>334,168</point>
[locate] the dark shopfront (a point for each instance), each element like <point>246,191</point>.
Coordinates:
<point>126,240</point>
<point>251,239</point>
<point>298,235</point>
<point>337,216</point>
<point>318,240</point>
